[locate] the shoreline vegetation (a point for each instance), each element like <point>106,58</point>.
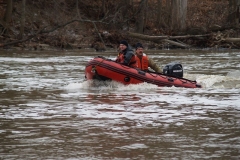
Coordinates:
<point>100,25</point>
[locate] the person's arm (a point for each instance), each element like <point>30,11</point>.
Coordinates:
<point>128,57</point>
<point>154,66</point>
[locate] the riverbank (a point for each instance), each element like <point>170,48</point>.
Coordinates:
<point>54,25</point>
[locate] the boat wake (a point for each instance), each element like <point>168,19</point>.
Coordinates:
<point>109,86</point>
<point>231,80</point>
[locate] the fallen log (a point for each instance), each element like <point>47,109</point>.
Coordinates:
<point>143,36</point>
<point>231,39</point>
<point>146,37</point>
<point>168,39</point>
<point>182,45</point>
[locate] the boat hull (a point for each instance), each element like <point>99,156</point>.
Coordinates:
<point>105,69</point>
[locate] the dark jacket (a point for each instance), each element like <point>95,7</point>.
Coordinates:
<point>127,57</point>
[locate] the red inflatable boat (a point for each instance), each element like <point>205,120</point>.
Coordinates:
<point>104,69</point>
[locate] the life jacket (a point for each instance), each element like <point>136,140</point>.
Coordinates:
<point>132,63</point>
<point>120,58</point>
<point>143,62</point>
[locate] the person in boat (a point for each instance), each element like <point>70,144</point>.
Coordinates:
<point>126,55</point>
<point>143,61</point>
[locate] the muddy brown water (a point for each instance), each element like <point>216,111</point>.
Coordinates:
<point>49,111</point>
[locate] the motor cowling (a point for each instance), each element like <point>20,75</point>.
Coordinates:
<point>173,69</point>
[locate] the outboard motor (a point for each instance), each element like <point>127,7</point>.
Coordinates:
<point>173,69</point>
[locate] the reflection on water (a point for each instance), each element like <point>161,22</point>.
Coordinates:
<point>48,110</point>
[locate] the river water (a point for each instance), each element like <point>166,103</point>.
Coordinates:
<point>49,111</point>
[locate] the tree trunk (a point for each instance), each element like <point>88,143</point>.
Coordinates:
<point>77,8</point>
<point>125,11</point>
<point>145,14</point>
<point>168,10</point>
<point>231,11</point>
<point>183,13</point>
<point>168,4</point>
<point>179,14</point>
<point>234,12</point>
<point>141,16</point>
<point>159,3</point>
<point>103,8</point>
<point>22,19</point>
<point>8,15</point>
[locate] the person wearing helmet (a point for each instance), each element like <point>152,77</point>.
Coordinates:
<point>143,61</point>
<point>126,55</point>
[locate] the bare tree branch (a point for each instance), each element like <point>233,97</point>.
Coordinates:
<point>22,40</point>
<point>99,35</point>
<point>44,31</point>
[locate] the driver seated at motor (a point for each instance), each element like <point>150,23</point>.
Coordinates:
<point>143,61</point>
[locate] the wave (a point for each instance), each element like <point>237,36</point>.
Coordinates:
<point>231,80</point>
